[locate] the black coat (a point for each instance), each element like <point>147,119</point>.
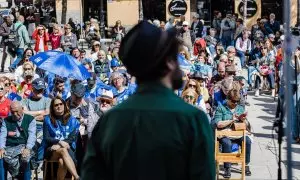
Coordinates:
<point>197,31</point>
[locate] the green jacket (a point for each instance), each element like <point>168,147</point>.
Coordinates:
<point>152,135</point>
<point>23,34</point>
<point>12,125</point>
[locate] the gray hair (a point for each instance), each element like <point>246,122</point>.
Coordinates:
<point>230,48</point>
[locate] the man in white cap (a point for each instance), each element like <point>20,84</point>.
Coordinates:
<point>106,101</point>
<point>185,35</point>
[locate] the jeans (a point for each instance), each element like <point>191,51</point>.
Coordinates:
<point>2,170</point>
<point>242,57</point>
<point>19,52</point>
<point>227,147</point>
<point>226,41</point>
<point>271,79</point>
<point>251,70</point>
<point>296,115</point>
<point>212,50</point>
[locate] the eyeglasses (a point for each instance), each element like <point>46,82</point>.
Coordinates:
<point>234,102</point>
<point>38,91</point>
<point>185,26</point>
<point>103,101</point>
<point>192,85</point>
<point>189,97</point>
<point>58,104</point>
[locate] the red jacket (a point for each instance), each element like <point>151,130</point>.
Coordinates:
<point>36,37</point>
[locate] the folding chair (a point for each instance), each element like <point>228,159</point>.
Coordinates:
<point>52,169</point>
<point>238,157</point>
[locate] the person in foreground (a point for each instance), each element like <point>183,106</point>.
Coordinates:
<point>154,134</point>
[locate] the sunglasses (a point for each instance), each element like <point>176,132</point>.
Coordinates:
<point>105,101</point>
<point>38,91</point>
<point>58,104</point>
<point>234,102</point>
<point>189,97</point>
<point>192,85</point>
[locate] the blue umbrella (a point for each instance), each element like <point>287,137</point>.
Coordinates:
<point>61,64</point>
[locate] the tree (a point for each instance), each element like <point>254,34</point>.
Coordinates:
<point>64,11</point>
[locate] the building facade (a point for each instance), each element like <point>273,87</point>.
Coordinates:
<point>128,11</point>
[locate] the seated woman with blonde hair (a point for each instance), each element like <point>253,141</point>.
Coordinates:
<point>60,133</point>
<point>190,96</point>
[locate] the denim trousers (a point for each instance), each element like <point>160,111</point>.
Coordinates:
<point>242,57</point>
<point>270,78</point>
<point>227,147</point>
<point>16,165</point>
<point>2,170</point>
<point>19,52</point>
<point>251,71</point>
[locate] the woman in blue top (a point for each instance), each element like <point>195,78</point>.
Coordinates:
<point>60,132</point>
<point>121,91</point>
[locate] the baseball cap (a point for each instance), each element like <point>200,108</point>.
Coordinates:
<point>107,95</point>
<point>78,90</point>
<point>39,84</point>
<point>271,36</point>
<point>185,23</point>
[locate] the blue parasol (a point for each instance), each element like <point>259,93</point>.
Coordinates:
<point>61,64</point>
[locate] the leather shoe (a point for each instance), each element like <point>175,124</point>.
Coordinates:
<point>227,173</point>
<point>247,171</point>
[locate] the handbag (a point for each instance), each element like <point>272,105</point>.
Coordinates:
<point>239,126</point>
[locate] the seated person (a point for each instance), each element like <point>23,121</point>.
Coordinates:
<point>225,115</point>
<point>105,101</point>
<point>59,136</point>
<point>17,138</point>
<point>59,89</point>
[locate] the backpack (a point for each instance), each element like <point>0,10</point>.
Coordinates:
<point>13,40</point>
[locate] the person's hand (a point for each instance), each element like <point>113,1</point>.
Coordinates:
<point>64,144</point>
<point>25,152</point>
<point>55,147</point>
<point>2,152</point>
<point>40,117</point>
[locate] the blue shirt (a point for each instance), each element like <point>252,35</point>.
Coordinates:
<point>14,97</point>
<point>61,132</point>
<point>219,98</point>
<point>122,96</point>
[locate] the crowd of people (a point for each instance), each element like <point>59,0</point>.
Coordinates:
<point>45,116</point>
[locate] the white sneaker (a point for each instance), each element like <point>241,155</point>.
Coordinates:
<point>257,93</point>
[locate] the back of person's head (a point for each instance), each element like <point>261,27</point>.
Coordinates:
<point>154,46</point>
<point>21,18</point>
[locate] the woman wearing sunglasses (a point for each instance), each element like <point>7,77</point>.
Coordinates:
<point>41,37</point>
<point>190,96</point>
<point>224,118</point>
<point>59,136</point>
<point>10,89</point>
<point>4,102</point>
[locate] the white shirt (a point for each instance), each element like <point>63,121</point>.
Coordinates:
<point>243,45</point>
